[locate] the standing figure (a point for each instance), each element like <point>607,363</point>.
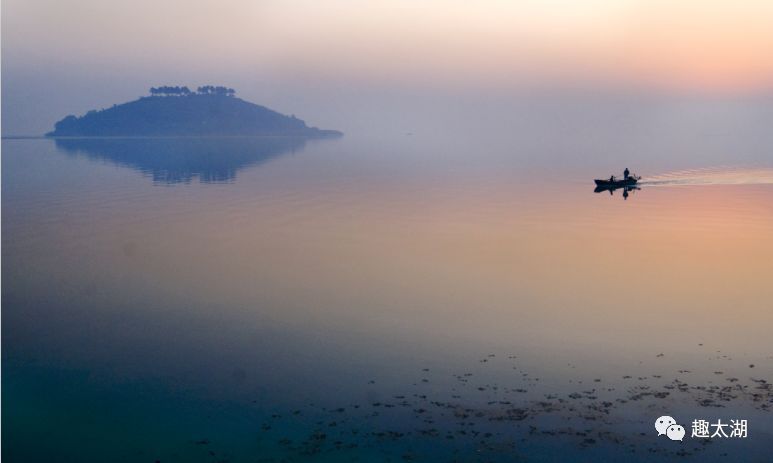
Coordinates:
<point>626,172</point>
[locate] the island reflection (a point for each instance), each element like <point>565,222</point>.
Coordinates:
<point>181,160</point>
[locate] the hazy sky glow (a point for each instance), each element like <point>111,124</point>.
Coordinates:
<point>690,45</point>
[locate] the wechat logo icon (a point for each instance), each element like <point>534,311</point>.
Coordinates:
<point>666,425</point>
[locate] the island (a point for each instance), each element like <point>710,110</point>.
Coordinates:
<point>178,111</point>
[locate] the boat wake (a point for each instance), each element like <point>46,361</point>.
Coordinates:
<point>723,175</point>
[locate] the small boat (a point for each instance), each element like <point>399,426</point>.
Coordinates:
<point>612,182</point>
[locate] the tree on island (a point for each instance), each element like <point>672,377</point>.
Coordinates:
<point>167,90</point>
<point>212,90</point>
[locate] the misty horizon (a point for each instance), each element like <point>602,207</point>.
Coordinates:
<point>389,67</point>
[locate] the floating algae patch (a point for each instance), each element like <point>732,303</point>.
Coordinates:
<point>508,420</point>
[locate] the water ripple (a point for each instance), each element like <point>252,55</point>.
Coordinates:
<point>719,175</point>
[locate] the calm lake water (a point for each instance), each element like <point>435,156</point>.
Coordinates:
<point>396,298</point>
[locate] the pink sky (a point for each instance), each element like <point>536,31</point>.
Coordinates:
<point>686,44</point>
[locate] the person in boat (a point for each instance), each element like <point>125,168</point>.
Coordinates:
<point>612,178</point>
<point>626,172</point>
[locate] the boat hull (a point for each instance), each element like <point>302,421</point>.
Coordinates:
<point>617,183</point>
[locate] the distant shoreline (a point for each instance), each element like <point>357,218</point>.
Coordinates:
<point>119,137</point>
<point>22,137</point>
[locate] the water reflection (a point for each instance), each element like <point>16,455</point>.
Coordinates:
<point>180,160</point>
<point>627,189</point>
<point>405,282</point>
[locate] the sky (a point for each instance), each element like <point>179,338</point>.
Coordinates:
<point>336,62</point>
